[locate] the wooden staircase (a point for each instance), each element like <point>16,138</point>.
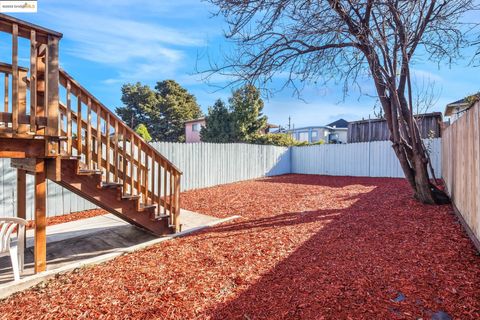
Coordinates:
<point>53,128</point>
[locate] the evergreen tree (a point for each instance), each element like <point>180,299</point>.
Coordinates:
<point>163,111</point>
<point>246,106</point>
<point>218,124</point>
<point>137,101</point>
<point>176,105</point>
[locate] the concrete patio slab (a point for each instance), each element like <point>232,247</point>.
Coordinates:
<point>89,241</point>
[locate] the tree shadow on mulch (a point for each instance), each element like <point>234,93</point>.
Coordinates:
<point>329,181</point>
<point>377,259</point>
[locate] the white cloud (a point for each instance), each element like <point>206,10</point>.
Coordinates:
<point>137,48</point>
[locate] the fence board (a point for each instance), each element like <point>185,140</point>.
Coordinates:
<point>209,164</point>
<point>367,159</point>
<point>461,167</point>
<point>60,201</point>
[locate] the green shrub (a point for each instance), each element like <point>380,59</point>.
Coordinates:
<point>275,139</point>
<point>142,131</point>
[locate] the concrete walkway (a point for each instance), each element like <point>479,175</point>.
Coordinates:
<point>101,238</point>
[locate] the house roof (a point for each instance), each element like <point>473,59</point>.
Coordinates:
<point>271,126</point>
<point>462,103</point>
<point>195,120</point>
<point>340,123</point>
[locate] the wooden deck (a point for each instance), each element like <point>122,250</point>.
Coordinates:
<point>56,129</point>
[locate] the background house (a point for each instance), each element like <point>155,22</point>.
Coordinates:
<point>456,109</point>
<point>335,132</point>
<point>192,129</point>
<point>430,125</point>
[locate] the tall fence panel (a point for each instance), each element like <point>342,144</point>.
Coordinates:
<point>461,168</point>
<point>209,164</point>
<point>60,201</point>
<point>366,159</point>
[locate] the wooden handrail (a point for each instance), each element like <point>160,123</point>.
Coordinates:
<point>139,168</point>
<point>78,89</point>
<point>25,28</point>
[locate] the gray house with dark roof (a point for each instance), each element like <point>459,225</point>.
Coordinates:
<point>335,132</point>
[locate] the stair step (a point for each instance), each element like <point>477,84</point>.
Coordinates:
<point>130,197</point>
<point>111,185</point>
<point>86,172</point>
<point>162,216</point>
<point>67,157</point>
<point>147,206</point>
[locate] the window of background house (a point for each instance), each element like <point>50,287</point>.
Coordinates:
<point>314,136</point>
<point>196,127</point>
<point>303,136</point>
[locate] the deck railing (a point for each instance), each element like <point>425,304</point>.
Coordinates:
<point>105,143</point>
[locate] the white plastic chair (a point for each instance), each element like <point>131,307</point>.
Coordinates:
<point>13,246</point>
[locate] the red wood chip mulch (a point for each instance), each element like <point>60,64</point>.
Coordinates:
<point>307,247</point>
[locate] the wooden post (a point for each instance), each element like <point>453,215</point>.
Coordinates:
<point>41,99</point>
<point>177,202</point>
<point>52,87</point>
<point>33,81</point>
<point>15,76</point>
<point>22,100</point>
<point>22,197</point>
<point>40,249</point>
<point>21,193</point>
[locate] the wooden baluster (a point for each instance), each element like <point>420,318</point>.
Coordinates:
<point>5,99</point>
<point>33,81</point>
<point>124,160</point>
<point>99,138</point>
<point>172,213</point>
<point>152,177</point>
<point>15,101</point>
<point>177,202</point>
<point>132,158</point>
<point>139,167</point>
<point>145,179</point>
<point>22,100</point>
<point>115,154</point>
<point>165,188</point>
<point>69,118</point>
<point>88,142</point>
<point>107,148</point>
<point>159,186</point>
<point>52,88</point>
<point>79,124</point>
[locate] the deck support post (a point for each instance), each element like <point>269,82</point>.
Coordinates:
<point>22,197</point>
<point>21,194</point>
<point>40,249</point>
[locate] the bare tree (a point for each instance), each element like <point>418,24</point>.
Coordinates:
<point>316,41</point>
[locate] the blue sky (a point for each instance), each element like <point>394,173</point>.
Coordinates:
<point>110,42</point>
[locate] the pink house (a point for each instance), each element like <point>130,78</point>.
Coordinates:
<point>192,130</point>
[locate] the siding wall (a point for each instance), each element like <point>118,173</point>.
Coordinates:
<point>461,167</point>
<point>370,159</point>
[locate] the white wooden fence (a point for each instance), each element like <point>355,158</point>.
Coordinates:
<point>368,159</point>
<point>209,164</point>
<point>59,201</point>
